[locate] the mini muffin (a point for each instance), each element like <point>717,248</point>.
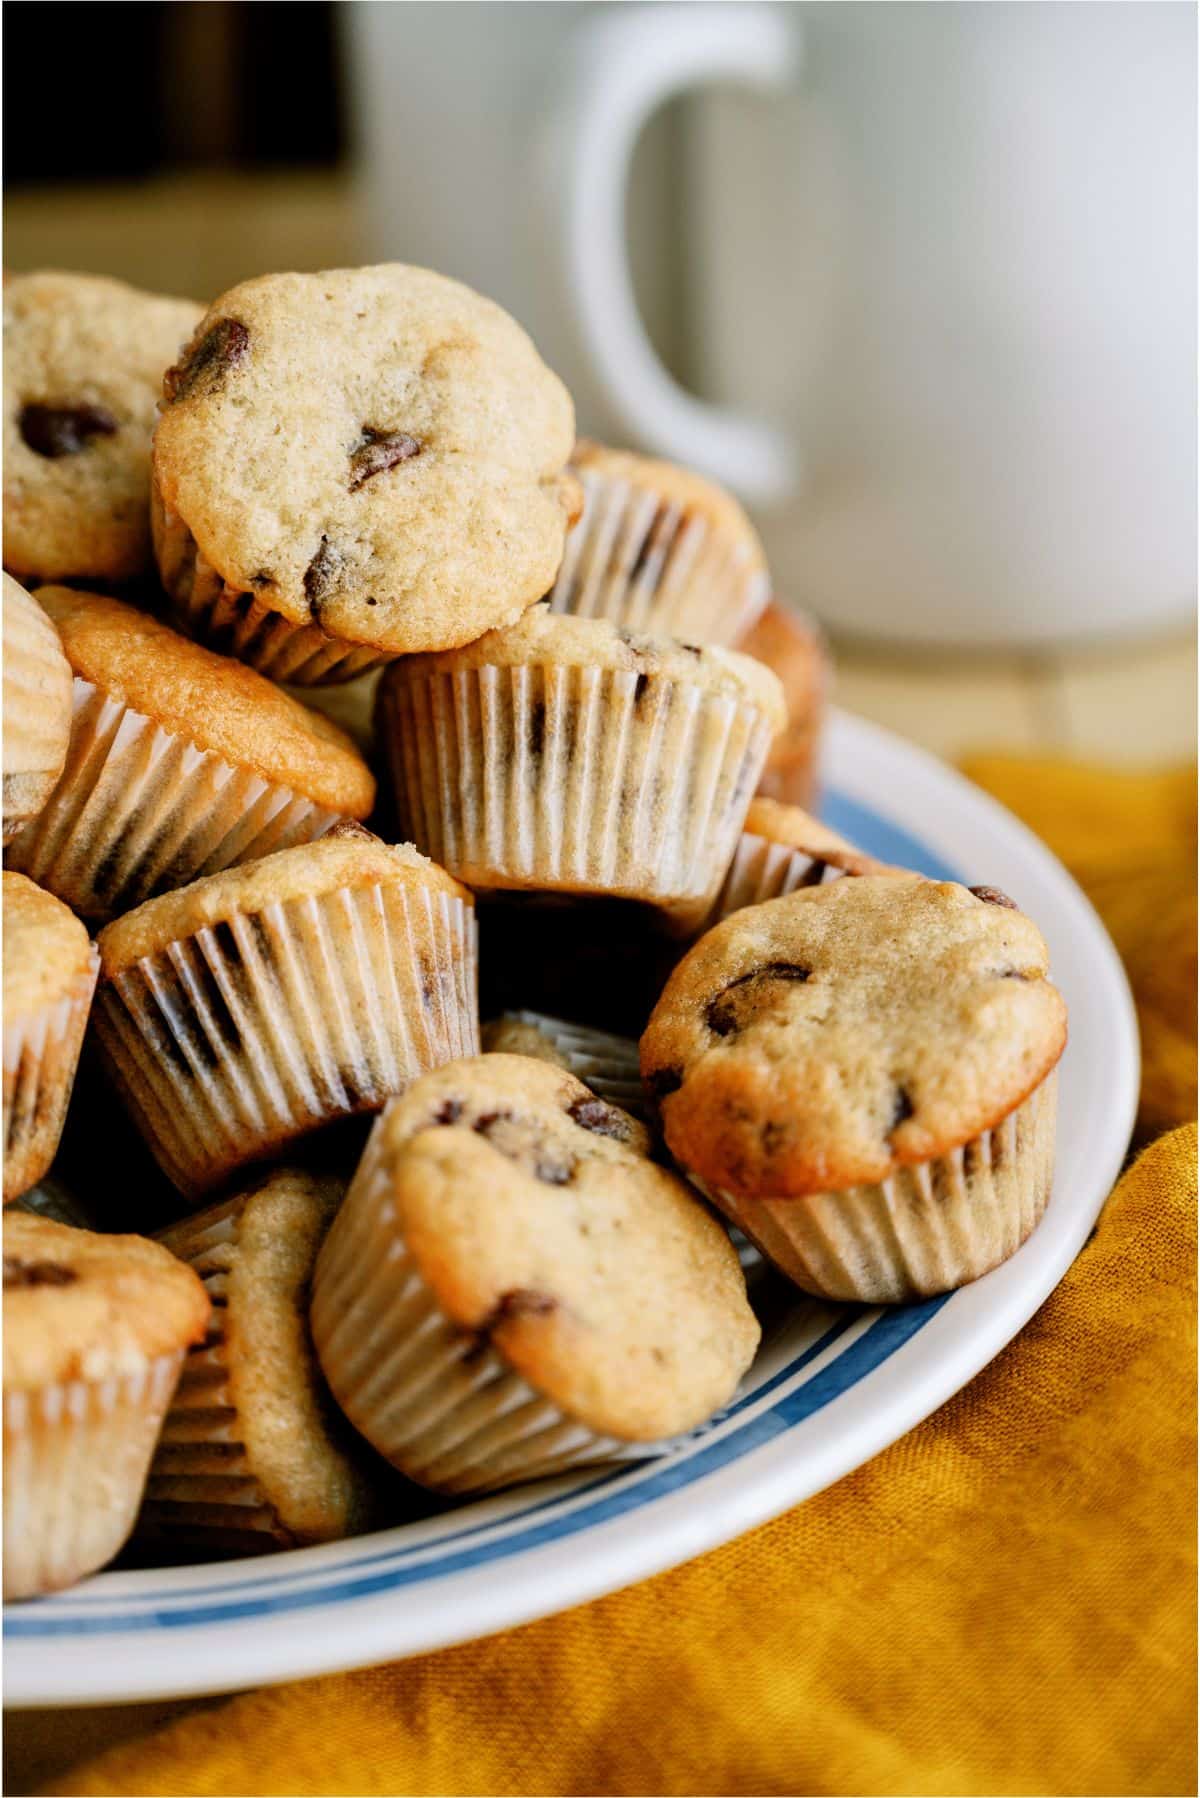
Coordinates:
<point>83,364</point>
<point>512,1288</point>
<point>565,755</point>
<point>355,464</point>
<point>783,848</point>
<point>660,550</point>
<point>791,644</point>
<point>606,1063</point>
<point>37,707</point>
<point>49,976</point>
<point>246,1010</point>
<point>861,1076</point>
<point>181,763</point>
<point>253,1454</point>
<point>95,1331</point>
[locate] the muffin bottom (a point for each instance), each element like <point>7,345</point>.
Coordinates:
<point>926,1229</point>
<point>75,1460</point>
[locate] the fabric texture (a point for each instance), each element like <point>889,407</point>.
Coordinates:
<point>1002,1602</point>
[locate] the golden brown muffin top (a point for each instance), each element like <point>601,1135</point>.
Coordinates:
<point>214,702</point>
<point>538,1220</point>
<point>345,857</point>
<point>826,1038</point>
<point>37,687</point>
<point>261,1247</point>
<point>78,1306</point>
<point>83,364</point>
<point>47,950</point>
<point>543,639</point>
<point>379,451</point>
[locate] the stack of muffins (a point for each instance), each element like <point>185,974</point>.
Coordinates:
<point>339,527</point>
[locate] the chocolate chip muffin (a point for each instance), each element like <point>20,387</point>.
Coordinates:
<point>49,976</point>
<point>660,550</point>
<point>253,1453</point>
<point>567,755</point>
<point>861,1076</point>
<point>513,1288</point>
<point>783,847</point>
<point>95,1331</point>
<point>37,707</point>
<point>83,365</point>
<point>354,464</point>
<point>791,645</point>
<point>244,1011</point>
<point>181,762</point>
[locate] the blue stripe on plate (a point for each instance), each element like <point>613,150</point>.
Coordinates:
<point>889,1332</point>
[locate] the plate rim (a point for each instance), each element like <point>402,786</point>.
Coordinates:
<point>42,1672</point>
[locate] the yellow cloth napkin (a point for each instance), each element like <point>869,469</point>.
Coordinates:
<point>1003,1602</point>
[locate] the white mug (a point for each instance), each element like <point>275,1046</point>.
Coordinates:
<point>939,276</point>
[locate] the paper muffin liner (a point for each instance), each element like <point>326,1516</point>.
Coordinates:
<point>41,1054</point>
<point>36,711</point>
<point>762,870</point>
<point>75,1461</point>
<point>574,779</point>
<point>439,1402</point>
<point>200,1490</point>
<point>231,1042</point>
<point>605,1063</point>
<point>925,1229</point>
<point>238,623</point>
<point>139,810</point>
<point>654,565</point>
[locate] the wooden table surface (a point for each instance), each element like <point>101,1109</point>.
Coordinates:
<point>200,234</point>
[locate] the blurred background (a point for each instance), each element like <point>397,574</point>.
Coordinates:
<point>918,281</point>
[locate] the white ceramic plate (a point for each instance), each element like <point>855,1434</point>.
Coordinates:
<point>831,1387</point>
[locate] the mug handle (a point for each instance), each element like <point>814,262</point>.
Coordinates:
<point>623,65</point>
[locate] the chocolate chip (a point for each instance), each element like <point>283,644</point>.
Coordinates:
<point>598,1117</point>
<point>662,1083</point>
<point>55,431</point>
<point>377,451</point>
<point>554,1173</point>
<point>902,1108</point>
<point>37,1273</point>
<point>223,345</point>
<point>321,576</point>
<point>448,1112</point>
<point>725,1014</point>
<point>522,1301</point>
<point>993,896</point>
<point>349,830</point>
<point>487,1121</point>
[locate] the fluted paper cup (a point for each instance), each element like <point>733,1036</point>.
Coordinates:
<point>232,1042</point>
<point>926,1229</point>
<point>199,1489</point>
<point>578,779</point>
<point>651,562</point>
<point>75,1461</point>
<point>762,870</point>
<point>41,1054</point>
<point>606,1063</point>
<point>443,1407</point>
<point>238,623</point>
<point>139,810</point>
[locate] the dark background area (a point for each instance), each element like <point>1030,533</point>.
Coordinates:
<point>118,90</point>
